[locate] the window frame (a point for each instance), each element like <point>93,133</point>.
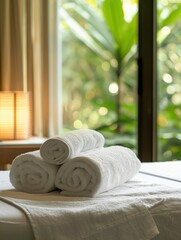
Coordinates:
<point>147,80</point>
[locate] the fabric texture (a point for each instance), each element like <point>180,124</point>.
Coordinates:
<point>57,149</point>
<point>30,173</point>
<point>136,210</point>
<point>87,219</point>
<point>97,171</point>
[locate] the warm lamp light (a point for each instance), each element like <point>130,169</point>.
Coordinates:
<point>15,115</point>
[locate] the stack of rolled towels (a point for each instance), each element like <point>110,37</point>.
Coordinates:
<point>77,163</point>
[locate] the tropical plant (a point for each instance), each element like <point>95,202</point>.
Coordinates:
<point>108,34</point>
<point>112,37</point>
<point>169,115</point>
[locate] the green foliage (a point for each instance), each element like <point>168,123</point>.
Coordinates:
<point>108,34</point>
<point>123,32</point>
<point>89,27</point>
<point>169,53</point>
<point>171,16</point>
<point>103,45</point>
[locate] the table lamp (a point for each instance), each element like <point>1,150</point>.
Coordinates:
<point>15,115</point>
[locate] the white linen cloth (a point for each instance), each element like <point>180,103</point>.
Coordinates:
<point>57,149</point>
<point>30,173</point>
<point>97,171</point>
<point>168,170</point>
<point>87,219</point>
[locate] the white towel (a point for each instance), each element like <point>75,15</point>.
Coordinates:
<point>73,218</point>
<point>97,171</point>
<point>57,149</point>
<point>30,173</point>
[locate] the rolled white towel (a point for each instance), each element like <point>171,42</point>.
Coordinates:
<point>30,173</point>
<point>97,171</point>
<point>57,149</point>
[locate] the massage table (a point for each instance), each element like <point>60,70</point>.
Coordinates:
<point>157,186</point>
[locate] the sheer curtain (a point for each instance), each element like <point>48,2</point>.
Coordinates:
<point>30,58</point>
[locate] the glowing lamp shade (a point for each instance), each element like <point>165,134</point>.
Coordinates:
<point>15,115</point>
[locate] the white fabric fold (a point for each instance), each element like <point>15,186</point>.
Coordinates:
<point>57,149</point>
<point>30,173</point>
<point>97,171</point>
<point>87,219</point>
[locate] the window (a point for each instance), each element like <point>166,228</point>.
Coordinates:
<point>144,116</point>
<point>100,69</point>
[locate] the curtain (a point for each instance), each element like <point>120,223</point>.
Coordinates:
<point>30,58</point>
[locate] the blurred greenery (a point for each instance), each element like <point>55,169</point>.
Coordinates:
<point>100,71</point>
<point>169,84</point>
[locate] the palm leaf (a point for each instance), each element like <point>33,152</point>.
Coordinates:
<point>83,35</point>
<point>114,17</point>
<point>129,36</point>
<point>174,15</point>
<point>124,33</point>
<point>92,23</point>
<point>92,18</point>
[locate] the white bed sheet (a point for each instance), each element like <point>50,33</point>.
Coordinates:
<point>166,171</point>
<point>161,195</point>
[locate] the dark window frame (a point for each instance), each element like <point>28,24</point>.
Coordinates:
<point>147,81</point>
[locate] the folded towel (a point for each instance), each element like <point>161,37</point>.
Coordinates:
<point>30,173</point>
<point>57,149</point>
<point>97,171</point>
